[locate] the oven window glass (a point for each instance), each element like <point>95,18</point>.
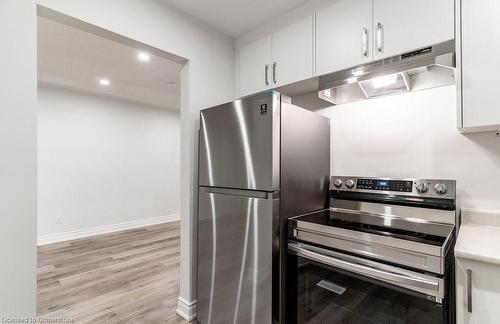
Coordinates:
<point>328,295</point>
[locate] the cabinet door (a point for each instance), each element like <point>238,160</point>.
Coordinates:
<point>405,25</point>
<point>485,292</point>
<point>479,66</point>
<point>343,35</point>
<point>292,49</point>
<point>254,62</point>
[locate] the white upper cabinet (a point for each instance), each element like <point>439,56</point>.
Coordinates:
<point>292,52</point>
<point>282,57</point>
<point>255,66</point>
<point>478,292</point>
<point>343,35</point>
<point>405,25</point>
<point>348,33</point>
<point>478,59</point>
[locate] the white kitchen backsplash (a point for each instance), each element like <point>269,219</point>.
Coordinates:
<point>480,217</point>
<point>416,135</point>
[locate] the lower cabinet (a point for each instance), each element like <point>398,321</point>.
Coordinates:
<point>478,292</point>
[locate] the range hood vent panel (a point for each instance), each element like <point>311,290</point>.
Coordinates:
<point>425,68</point>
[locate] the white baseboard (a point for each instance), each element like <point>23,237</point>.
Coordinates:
<point>72,235</point>
<point>186,309</point>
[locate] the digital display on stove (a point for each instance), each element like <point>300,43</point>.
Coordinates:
<point>385,185</point>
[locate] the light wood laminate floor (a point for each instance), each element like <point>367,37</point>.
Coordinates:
<point>125,277</point>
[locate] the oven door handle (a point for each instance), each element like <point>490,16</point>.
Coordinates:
<point>367,271</point>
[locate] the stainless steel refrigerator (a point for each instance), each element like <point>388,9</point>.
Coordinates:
<point>261,161</point>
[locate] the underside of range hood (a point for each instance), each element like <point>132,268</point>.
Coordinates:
<point>429,67</point>
<point>425,68</point>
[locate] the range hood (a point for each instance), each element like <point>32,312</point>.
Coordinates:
<point>425,68</point>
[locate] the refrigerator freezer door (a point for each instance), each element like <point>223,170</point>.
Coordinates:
<point>235,256</point>
<point>239,144</point>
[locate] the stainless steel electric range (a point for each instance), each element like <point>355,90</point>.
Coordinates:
<point>382,253</point>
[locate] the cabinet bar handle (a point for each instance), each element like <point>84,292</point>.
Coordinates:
<point>274,72</point>
<point>266,73</point>
<point>380,37</point>
<point>364,42</point>
<point>469,290</point>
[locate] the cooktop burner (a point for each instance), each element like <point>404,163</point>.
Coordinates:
<point>341,220</point>
<point>395,231</point>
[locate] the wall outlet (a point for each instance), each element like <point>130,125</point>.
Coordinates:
<point>59,219</point>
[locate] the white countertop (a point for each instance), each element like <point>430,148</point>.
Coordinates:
<point>479,236</point>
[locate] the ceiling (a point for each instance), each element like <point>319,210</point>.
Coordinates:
<point>73,58</point>
<point>234,17</point>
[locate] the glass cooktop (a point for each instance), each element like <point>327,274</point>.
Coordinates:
<point>420,232</point>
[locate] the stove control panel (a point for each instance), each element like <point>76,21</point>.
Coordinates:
<point>385,185</point>
<point>406,187</point>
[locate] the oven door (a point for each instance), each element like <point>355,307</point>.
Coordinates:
<point>332,287</point>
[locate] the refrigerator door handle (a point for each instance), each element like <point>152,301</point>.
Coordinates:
<point>241,192</point>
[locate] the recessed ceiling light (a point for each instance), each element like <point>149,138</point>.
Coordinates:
<point>143,57</point>
<point>171,85</point>
<point>104,82</point>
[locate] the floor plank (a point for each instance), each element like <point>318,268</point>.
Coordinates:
<point>125,277</point>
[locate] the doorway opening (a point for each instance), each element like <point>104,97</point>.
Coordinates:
<point>108,175</point>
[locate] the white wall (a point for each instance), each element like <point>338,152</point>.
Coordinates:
<point>209,78</point>
<point>17,158</point>
<point>103,161</point>
<point>415,135</point>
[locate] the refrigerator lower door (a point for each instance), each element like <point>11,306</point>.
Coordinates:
<point>235,243</point>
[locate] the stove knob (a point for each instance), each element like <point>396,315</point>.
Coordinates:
<point>337,183</point>
<point>349,183</point>
<point>440,188</point>
<point>422,186</point>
